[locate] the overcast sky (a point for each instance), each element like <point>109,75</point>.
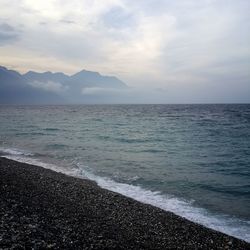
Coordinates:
<point>184,50</point>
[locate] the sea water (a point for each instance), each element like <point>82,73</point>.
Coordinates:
<point>193,160</point>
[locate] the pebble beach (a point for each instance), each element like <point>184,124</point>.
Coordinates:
<point>41,208</point>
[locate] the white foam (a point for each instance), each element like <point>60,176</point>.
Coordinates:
<point>36,162</point>
<point>14,151</point>
<point>223,223</point>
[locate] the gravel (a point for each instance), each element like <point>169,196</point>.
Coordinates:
<point>43,209</point>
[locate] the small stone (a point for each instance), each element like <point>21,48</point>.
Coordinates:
<point>51,245</point>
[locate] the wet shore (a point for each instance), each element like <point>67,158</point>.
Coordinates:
<point>41,208</point>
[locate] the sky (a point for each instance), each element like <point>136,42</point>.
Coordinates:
<point>167,51</point>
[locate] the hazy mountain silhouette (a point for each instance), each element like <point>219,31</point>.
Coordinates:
<point>46,76</point>
<point>15,90</point>
<point>81,79</point>
<point>48,87</point>
<point>86,78</point>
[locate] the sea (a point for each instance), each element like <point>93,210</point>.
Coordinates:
<point>193,160</point>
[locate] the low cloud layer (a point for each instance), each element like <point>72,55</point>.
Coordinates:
<point>200,46</point>
<point>50,86</point>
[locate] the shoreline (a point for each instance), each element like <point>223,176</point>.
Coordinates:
<point>41,208</point>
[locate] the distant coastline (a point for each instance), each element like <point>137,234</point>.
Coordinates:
<point>54,88</point>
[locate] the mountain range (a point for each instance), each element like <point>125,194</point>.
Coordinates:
<point>53,88</point>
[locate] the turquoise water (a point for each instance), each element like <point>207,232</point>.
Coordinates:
<point>193,160</point>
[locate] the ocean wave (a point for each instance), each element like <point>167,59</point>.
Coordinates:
<point>152,150</point>
<point>136,140</point>
<point>29,133</point>
<point>56,146</point>
<point>36,162</point>
<point>14,152</point>
<point>223,223</point>
<point>51,129</point>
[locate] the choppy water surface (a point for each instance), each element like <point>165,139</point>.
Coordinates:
<point>193,160</point>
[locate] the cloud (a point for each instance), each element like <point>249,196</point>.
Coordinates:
<point>6,27</point>
<point>97,90</point>
<point>8,34</point>
<point>129,95</point>
<point>67,21</point>
<point>50,86</point>
<point>118,18</point>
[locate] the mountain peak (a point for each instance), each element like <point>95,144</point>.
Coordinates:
<point>85,78</point>
<point>3,68</point>
<point>86,73</point>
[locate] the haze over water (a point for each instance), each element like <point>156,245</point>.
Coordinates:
<point>189,159</point>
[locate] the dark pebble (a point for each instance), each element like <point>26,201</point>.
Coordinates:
<point>42,209</point>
